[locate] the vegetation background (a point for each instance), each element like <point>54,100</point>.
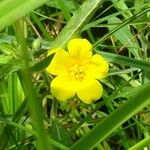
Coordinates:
<point>31,119</point>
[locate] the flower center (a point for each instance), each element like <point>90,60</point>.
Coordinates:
<point>77,72</point>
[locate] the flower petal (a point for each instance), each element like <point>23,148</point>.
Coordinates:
<point>59,62</point>
<point>63,87</point>
<point>97,68</point>
<point>90,90</point>
<point>80,49</point>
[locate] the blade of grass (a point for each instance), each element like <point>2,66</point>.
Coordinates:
<point>12,10</point>
<point>114,58</point>
<point>59,145</point>
<point>120,5</point>
<point>97,22</point>
<point>41,27</point>
<point>125,36</point>
<point>140,145</point>
<point>76,23</point>
<point>15,93</point>
<point>140,99</point>
<point>121,25</point>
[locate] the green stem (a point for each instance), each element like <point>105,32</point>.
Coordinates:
<point>54,111</point>
<point>145,142</point>
<point>30,93</point>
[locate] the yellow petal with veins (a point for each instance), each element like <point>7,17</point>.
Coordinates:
<point>97,67</point>
<point>59,62</point>
<point>63,87</point>
<point>80,49</point>
<point>90,90</point>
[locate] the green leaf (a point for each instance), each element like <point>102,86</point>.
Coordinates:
<point>76,23</point>
<point>140,98</point>
<point>6,134</point>
<point>120,5</point>
<point>12,10</point>
<point>64,9</point>
<point>114,58</point>
<point>5,59</point>
<point>98,22</point>
<point>42,64</point>
<point>121,71</point>
<point>11,66</point>
<point>69,4</point>
<point>6,49</point>
<point>135,17</point>
<point>125,36</point>
<point>41,26</point>
<point>61,135</point>
<point>140,145</point>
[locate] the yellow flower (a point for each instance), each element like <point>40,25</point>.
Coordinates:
<point>77,72</point>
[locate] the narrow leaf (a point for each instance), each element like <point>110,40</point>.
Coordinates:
<point>76,23</point>
<point>145,142</point>
<point>136,16</point>
<point>42,64</point>
<point>125,36</point>
<point>114,58</point>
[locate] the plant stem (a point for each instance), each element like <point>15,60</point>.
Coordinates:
<point>30,93</point>
<point>54,111</point>
<point>145,142</point>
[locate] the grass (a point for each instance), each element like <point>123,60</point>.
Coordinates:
<point>30,117</point>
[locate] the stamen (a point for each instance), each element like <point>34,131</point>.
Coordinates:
<point>77,72</point>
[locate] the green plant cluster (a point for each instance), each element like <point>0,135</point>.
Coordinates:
<point>31,118</point>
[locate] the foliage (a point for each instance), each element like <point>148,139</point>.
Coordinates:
<point>31,118</point>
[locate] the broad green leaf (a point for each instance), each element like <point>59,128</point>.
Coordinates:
<point>12,10</point>
<point>76,23</point>
<point>140,98</point>
<point>125,36</point>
